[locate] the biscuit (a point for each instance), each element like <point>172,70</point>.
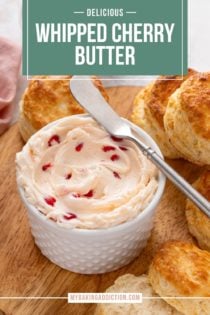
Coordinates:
<point>47,100</point>
<point>187,119</point>
<point>198,222</point>
<point>150,106</point>
<point>182,270</point>
<point>130,283</point>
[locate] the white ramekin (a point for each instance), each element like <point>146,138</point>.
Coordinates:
<point>95,251</point>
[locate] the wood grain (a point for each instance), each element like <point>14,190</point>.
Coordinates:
<point>23,269</point>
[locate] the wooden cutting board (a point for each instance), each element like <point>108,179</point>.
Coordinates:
<point>25,272</point>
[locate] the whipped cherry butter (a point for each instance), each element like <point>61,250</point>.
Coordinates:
<point>79,176</point>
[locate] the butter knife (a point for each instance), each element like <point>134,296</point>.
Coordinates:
<point>90,98</point>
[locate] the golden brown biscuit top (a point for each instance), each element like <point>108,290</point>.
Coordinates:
<point>195,101</point>
<point>186,267</point>
<point>203,184</point>
<point>162,88</point>
<point>48,100</point>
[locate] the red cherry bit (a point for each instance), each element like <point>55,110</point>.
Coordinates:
<point>114,157</point>
<point>116,139</point>
<point>123,148</point>
<point>107,148</point>
<point>70,216</point>
<point>46,166</point>
<point>116,175</point>
<point>79,147</point>
<point>50,201</point>
<point>89,194</point>
<point>54,138</point>
<point>68,176</point>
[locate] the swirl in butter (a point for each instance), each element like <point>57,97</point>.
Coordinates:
<point>77,175</point>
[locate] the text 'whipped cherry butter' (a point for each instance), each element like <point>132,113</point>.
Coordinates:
<point>79,176</point>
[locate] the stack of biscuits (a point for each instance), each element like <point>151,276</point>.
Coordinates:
<point>175,111</point>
